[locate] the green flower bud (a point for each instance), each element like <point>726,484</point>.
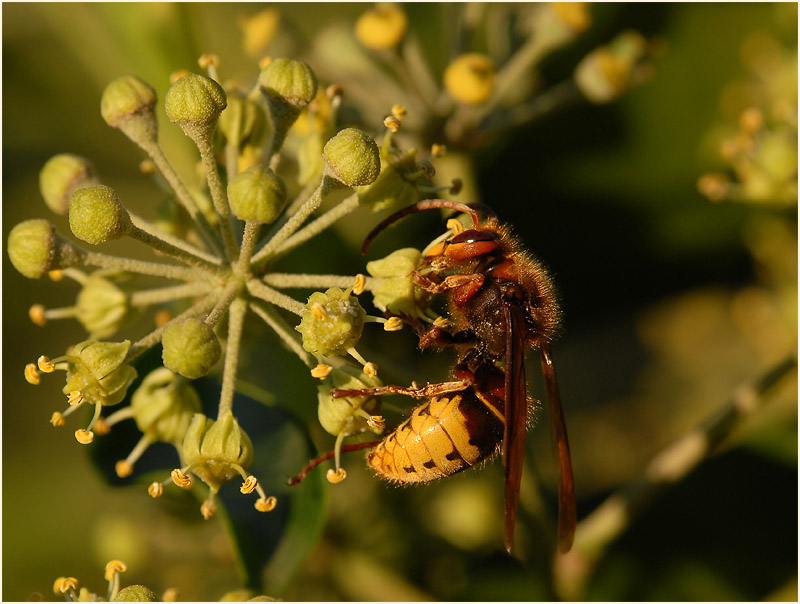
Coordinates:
<point>331,323</point>
<point>194,99</point>
<point>191,348</point>
<point>61,176</point>
<point>102,307</point>
<point>394,289</point>
<point>136,593</point>
<point>98,371</point>
<point>35,248</point>
<point>257,194</point>
<point>163,406</point>
<point>605,73</point>
<point>349,415</point>
<point>217,451</point>
<point>287,86</point>
<point>128,103</point>
<point>242,121</point>
<point>352,158</point>
<point>96,215</point>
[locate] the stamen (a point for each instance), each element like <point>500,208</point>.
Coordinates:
<point>163,317</point>
<point>392,124</point>
<point>427,168</point>
<point>438,150</point>
<point>170,594</point>
<point>57,419</point>
<point>371,369</point>
<point>32,374</point>
<point>45,364</point>
<point>266,505</point>
<point>124,468</point>
<point>376,423</point>
<point>101,427</point>
<point>360,284</point>
<point>63,584</point>
<point>75,398</point>
<point>208,58</point>
<point>36,313</point>
<point>147,166</point>
<point>321,371</point>
<point>441,323</point>
<point>393,324</point>
<point>455,225</point>
<point>114,567</point>
<point>177,75</point>
<point>399,111</point>
<point>181,479</point>
<point>336,476</point>
<point>334,91</point>
<point>319,310</point>
<point>249,485</point>
<point>264,62</point>
<point>85,437</point>
<point>156,490</point>
<point>456,187</point>
<point>208,509</point>
<point>56,275</point>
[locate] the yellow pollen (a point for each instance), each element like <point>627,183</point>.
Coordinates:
<point>36,313</point>
<point>155,490</point>
<point>114,567</point>
<point>177,75</point>
<point>75,397</point>
<point>376,423</point>
<point>249,485</point>
<point>321,371</point>
<point>45,364</point>
<point>147,166</point>
<point>319,310</point>
<point>57,419</point>
<point>56,275</point>
<point>360,284</point>
<point>208,58</point>
<point>392,123</point>
<point>266,505</point>
<point>181,479</point>
<point>438,150</point>
<point>163,317</point>
<point>101,427</point>
<point>63,584</point>
<point>456,187</point>
<point>123,468</point>
<point>336,476</point>
<point>84,437</point>
<point>399,111</point>
<point>393,324</point>
<point>455,226</point>
<point>32,374</point>
<point>264,62</point>
<point>371,369</point>
<point>208,509</point>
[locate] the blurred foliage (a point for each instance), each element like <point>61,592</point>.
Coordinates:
<point>671,303</point>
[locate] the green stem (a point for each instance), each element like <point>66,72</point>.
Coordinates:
<point>218,194</point>
<point>231,160</point>
<point>235,328</point>
<point>150,228</point>
<point>315,227</point>
<point>284,331</point>
<point>176,252</point>
<point>154,269</point>
<point>249,240</point>
<point>266,293</point>
<point>146,343</point>
<point>160,295</point>
<point>306,281</point>
<point>231,291</point>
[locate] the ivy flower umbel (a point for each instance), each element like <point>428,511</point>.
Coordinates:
<point>216,268</point>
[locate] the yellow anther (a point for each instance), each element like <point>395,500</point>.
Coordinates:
<point>208,509</point>
<point>751,120</point>
<point>456,187</point>
<point>264,62</point>
<point>57,419</point>
<point>399,111</point>
<point>438,150</point>
<point>392,123</point>
<point>147,166</point>
<point>334,91</point>
<point>84,437</point>
<point>45,364</point>
<point>441,323</point>
<point>319,310</point>
<point>181,479</point>
<point>249,485</point>
<point>75,397</point>
<point>376,423</point>
<point>36,313</point>
<point>32,374</point>
<point>163,317</point>
<point>208,58</point>
<point>123,468</point>
<point>114,567</point>
<point>336,476</point>
<point>63,584</point>
<point>713,186</point>
<point>177,75</point>
<point>371,369</point>
<point>170,595</point>
<point>101,427</point>
<point>360,284</point>
<point>393,324</point>
<point>266,505</point>
<point>321,371</point>
<point>56,275</point>
<point>155,490</point>
<point>455,225</point>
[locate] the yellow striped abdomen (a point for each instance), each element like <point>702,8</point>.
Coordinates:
<point>443,436</point>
